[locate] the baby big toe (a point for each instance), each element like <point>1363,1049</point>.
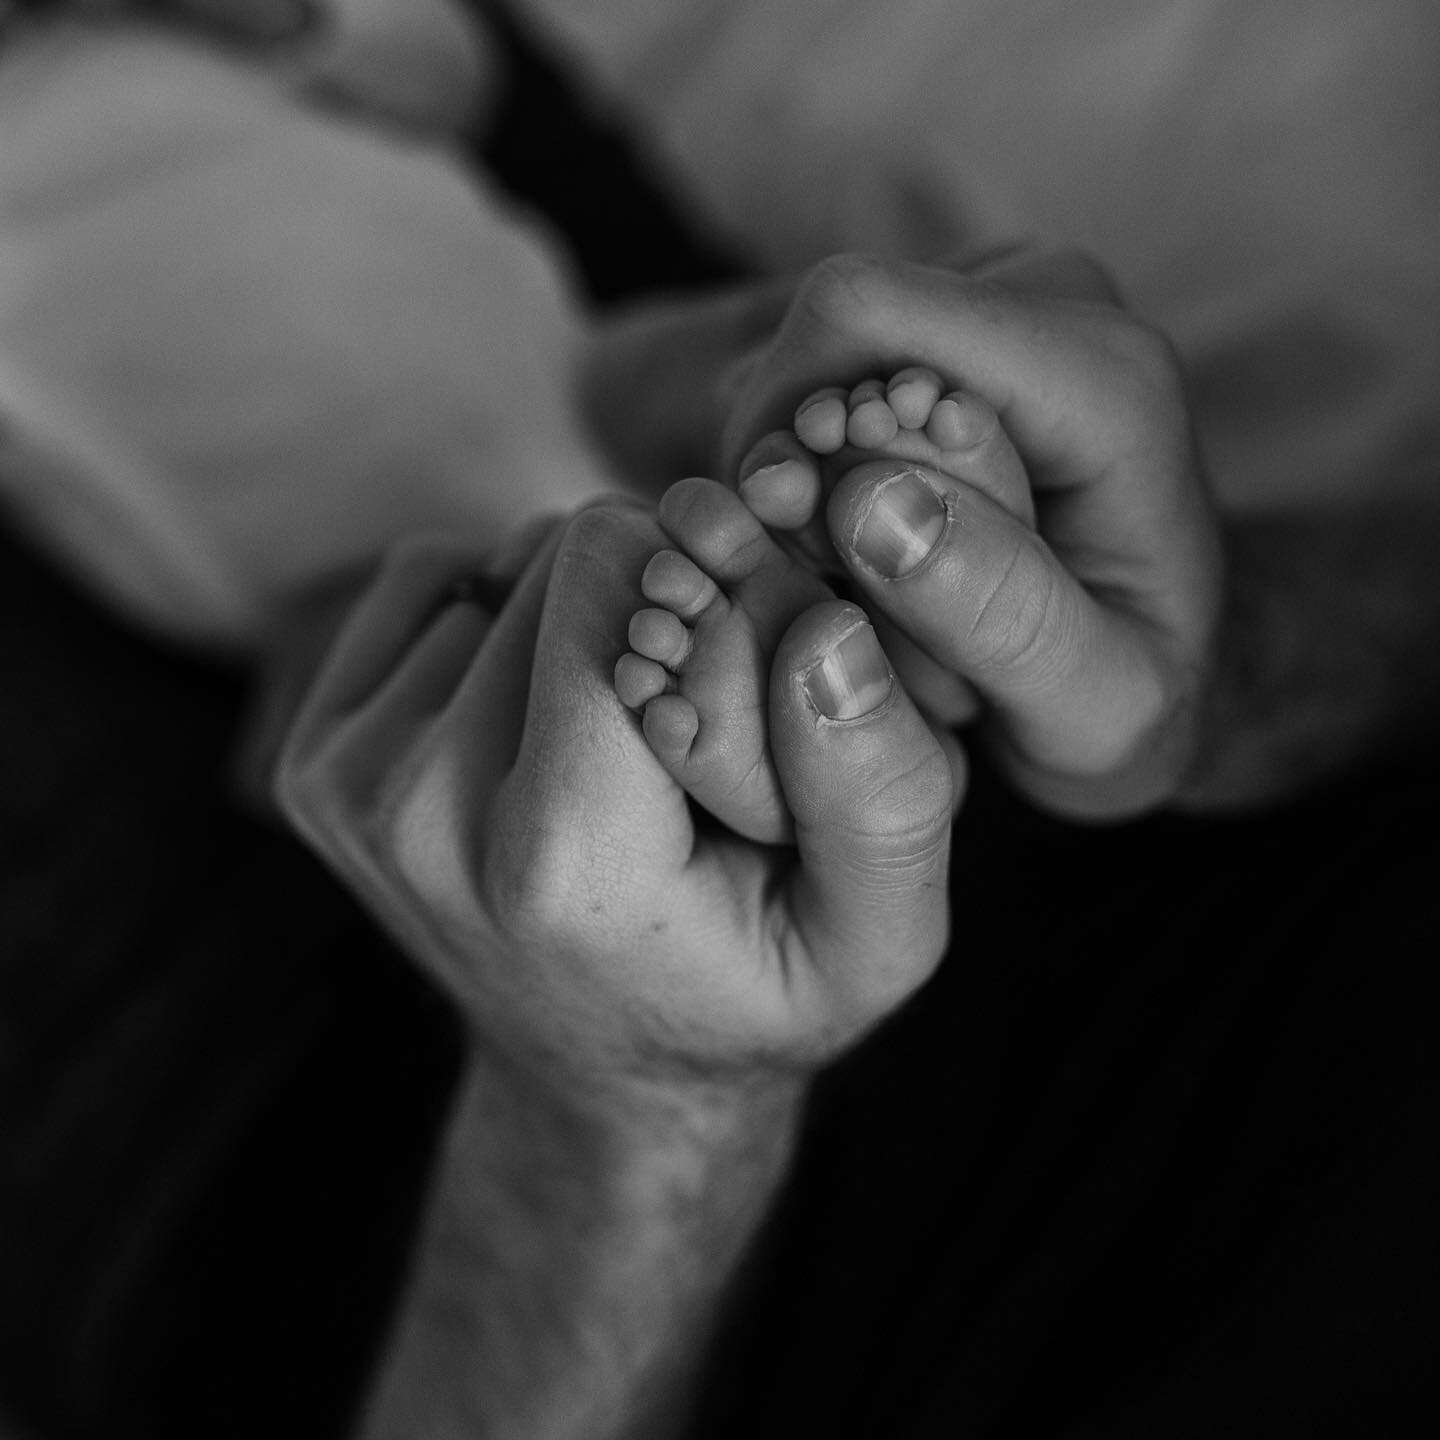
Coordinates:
<point>820,420</point>
<point>712,525</point>
<point>780,481</point>
<point>975,448</point>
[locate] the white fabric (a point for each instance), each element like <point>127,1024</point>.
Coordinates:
<point>243,343</point>
<point>421,64</point>
<point>1263,175</point>
<point>345,324</point>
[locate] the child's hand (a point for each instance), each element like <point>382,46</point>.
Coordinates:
<point>1089,637</point>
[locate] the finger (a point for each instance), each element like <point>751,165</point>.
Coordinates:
<point>582,759</point>
<point>412,586</point>
<point>942,696</point>
<point>872,791</point>
<point>434,828</point>
<point>1091,398</point>
<point>1078,684</point>
<point>1061,273</point>
<point>488,712</point>
<point>427,675</point>
<point>398,660</point>
<point>1030,355</point>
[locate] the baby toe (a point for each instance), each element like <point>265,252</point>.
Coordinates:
<point>961,421</point>
<point>671,724</point>
<point>780,482</point>
<point>662,636</point>
<point>678,583</point>
<point>638,681</point>
<point>974,447</point>
<point>820,420</point>
<point>712,525</point>
<point>913,393</point>
<point>871,422</point>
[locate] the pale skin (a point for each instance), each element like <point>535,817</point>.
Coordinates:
<point>698,668</point>
<point>1063,585</point>
<point>607,1347</point>
<point>655,1177</point>
<point>647,1002</point>
<point>648,997</point>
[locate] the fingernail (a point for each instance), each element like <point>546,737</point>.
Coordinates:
<point>852,679</point>
<point>901,525</point>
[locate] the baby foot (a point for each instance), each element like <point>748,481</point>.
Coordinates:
<point>911,421</point>
<point>699,665</point>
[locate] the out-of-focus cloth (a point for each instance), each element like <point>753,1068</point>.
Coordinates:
<point>420,63</point>
<point>342,308</point>
<point>247,336</point>
<point>1263,176</point>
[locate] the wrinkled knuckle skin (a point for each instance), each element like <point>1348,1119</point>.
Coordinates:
<point>1015,617</point>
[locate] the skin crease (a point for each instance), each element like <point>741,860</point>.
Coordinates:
<point>668,1074</point>
<point>600,1182</point>
<point>683,1164</point>
<point>649,1085</point>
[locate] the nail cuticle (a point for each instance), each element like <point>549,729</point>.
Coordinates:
<point>901,525</point>
<point>852,680</point>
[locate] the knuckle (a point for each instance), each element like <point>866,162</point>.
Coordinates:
<point>595,529</point>
<point>1144,378</point>
<point>1144,361</point>
<point>911,810</point>
<point>1018,618</point>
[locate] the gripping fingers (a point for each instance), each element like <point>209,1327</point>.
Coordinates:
<point>1075,685</point>
<point>873,791</point>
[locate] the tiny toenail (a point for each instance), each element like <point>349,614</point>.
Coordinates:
<point>852,679</point>
<point>764,476</point>
<point>900,526</point>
